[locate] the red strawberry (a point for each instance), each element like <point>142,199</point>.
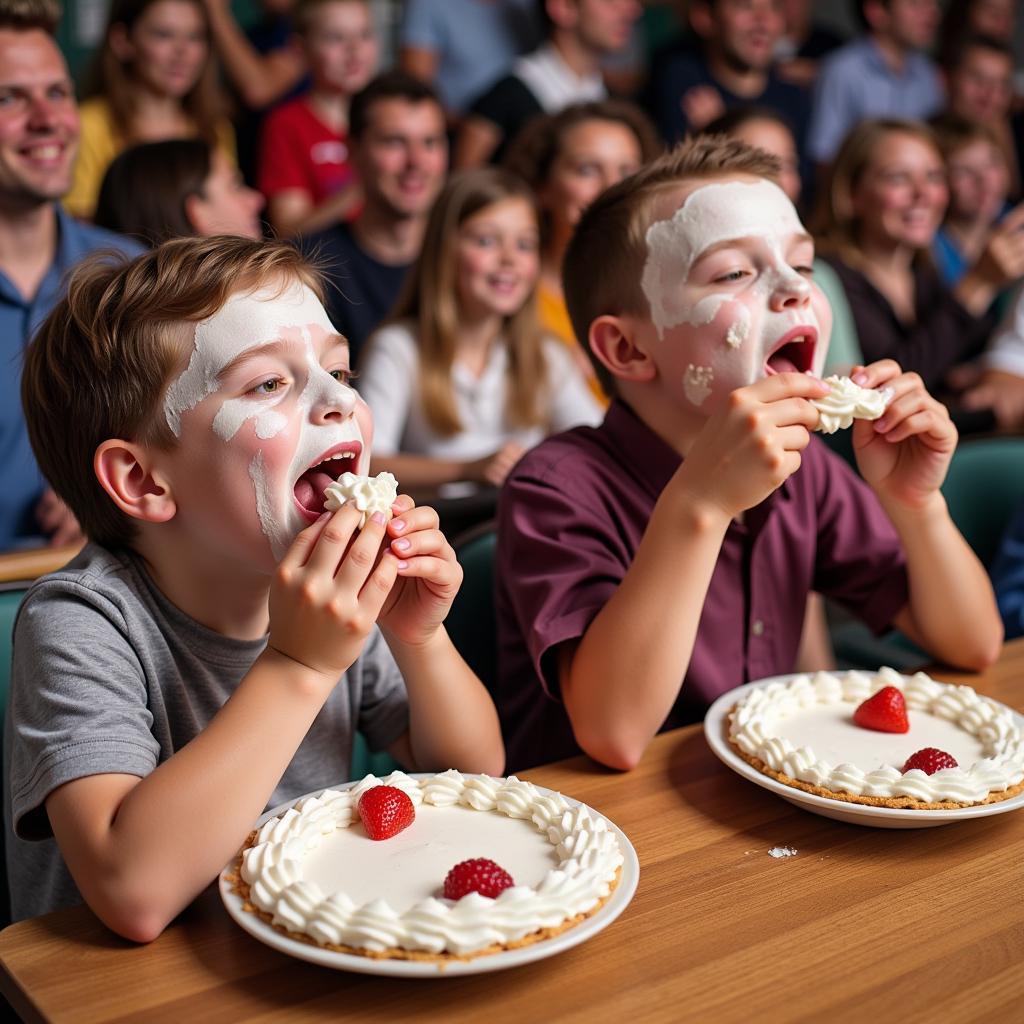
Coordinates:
<point>385,811</point>
<point>930,760</point>
<point>478,875</point>
<point>885,711</point>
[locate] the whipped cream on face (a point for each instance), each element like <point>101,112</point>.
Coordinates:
<point>847,402</point>
<point>571,850</point>
<point>795,727</point>
<point>369,494</point>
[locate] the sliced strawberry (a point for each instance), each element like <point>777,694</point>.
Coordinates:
<point>477,875</point>
<point>929,760</point>
<point>385,811</point>
<point>885,711</point>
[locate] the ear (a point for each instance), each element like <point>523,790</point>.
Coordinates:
<point>137,488</point>
<point>563,13</point>
<point>613,341</point>
<point>117,39</point>
<point>195,213</point>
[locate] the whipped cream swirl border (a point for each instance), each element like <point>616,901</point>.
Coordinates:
<point>587,848</point>
<point>1001,767</point>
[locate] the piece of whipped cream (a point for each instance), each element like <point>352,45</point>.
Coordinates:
<point>584,848</point>
<point>369,494</point>
<point>825,703</point>
<point>847,402</point>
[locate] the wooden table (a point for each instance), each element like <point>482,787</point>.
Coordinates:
<point>862,924</point>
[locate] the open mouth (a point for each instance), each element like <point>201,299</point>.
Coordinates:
<point>311,486</point>
<point>795,353</point>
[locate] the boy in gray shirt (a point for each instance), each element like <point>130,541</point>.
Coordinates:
<point>212,650</point>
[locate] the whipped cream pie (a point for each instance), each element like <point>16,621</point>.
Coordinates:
<point>802,733</point>
<point>309,874</point>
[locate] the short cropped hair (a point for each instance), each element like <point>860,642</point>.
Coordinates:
<point>25,15</point>
<point>391,85</point>
<point>954,133</point>
<point>304,13</point>
<point>605,259</point>
<point>100,363</point>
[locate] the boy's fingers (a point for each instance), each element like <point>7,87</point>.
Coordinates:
<point>378,585</point>
<point>793,411</point>
<point>787,385</point>
<point>874,374</point>
<point>793,438</point>
<point>335,536</point>
<point>923,424</point>
<point>402,504</point>
<point>421,518</point>
<point>439,570</point>
<point>299,549</point>
<point>422,542</point>
<point>359,561</point>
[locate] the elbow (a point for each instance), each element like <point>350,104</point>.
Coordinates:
<point>139,923</point>
<point>619,752</point>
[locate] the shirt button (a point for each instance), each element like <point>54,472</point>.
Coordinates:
<point>757,628</point>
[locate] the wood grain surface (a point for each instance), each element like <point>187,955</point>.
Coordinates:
<point>862,924</point>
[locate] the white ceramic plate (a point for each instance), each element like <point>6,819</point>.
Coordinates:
<point>716,731</point>
<point>617,902</point>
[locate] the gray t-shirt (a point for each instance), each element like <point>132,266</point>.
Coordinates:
<point>109,676</point>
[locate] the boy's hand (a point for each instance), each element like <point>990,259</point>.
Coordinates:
<point>753,443</point>
<point>429,576</point>
<point>905,453</point>
<point>328,591</point>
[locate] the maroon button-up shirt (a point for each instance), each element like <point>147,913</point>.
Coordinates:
<point>570,520</point>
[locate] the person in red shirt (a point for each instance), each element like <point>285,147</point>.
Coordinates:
<point>304,168</point>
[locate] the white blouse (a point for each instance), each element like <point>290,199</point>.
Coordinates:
<point>389,382</point>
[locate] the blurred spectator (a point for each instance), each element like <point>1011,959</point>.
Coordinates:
<point>462,47</point>
<point>399,149</point>
<point>887,199</point>
<point>153,79</point>
<point>569,159</point>
<point>764,129</point>
<point>884,73</point>
<point>979,87</point>
<point>39,243</point>
<point>732,67</point>
<point>262,64</point>
<point>172,189</point>
<point>803,44</point>
<point>463,380</point>
<point>979,183</point>
<point>304,168</point>
<point>995,19</point>
<point>564,70</point>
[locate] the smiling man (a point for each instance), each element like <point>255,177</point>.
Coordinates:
<point>400,151</point>
<point>39,243</point>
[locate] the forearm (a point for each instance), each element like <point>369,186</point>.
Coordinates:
<point>177,828</point>
<point>626,672</point>
<point>452,721</point>
<point>952,610</point>
<point>420,471</point>
<point>316,218</point>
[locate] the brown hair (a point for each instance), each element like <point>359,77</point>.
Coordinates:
<point>112,80</point>
<point>145,189</point>
<point>835,223</point>
<point>603,264</point>
<point>429,300</point>
<point>304,13</point>
<point>25,15</point>
<point>953,133</point>
<point>101,361</point>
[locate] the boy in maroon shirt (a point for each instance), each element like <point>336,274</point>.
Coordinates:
<point>651,564</point>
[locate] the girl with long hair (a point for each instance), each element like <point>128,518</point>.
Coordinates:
<point>462,380</point>
<point>153,79</point>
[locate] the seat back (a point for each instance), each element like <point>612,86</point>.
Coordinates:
<point>472,623</point>
<point>983,487</point>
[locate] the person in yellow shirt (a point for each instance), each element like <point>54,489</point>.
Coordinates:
<point>569,159</point>
<point>153,79</point>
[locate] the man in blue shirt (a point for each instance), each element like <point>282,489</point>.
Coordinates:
<point>39,244</point>
<point>882,74</point>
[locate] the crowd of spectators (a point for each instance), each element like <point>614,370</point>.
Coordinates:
<point>901,144</point>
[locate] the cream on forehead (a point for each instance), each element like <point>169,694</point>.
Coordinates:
<point>714,213</point>
<point>245,321</point>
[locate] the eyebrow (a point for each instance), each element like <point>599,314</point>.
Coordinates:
<point>270,347</point>
<point>796,238</point>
